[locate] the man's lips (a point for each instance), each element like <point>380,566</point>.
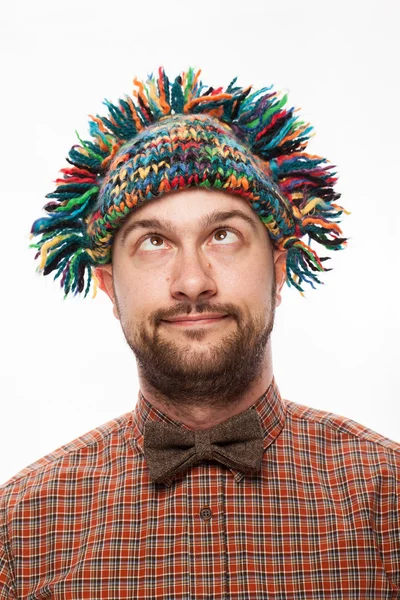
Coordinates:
<point>202,319</point>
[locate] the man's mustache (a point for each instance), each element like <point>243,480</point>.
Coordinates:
<point>187,308</point>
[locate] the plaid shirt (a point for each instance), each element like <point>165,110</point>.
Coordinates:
<point>321,520</point>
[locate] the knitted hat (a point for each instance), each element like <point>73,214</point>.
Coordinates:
<point>180,135</point>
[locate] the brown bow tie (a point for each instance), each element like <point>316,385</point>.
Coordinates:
<point>236,443</point>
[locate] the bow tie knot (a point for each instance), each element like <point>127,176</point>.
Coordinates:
<point>237,443</point>
<point>203,445</point>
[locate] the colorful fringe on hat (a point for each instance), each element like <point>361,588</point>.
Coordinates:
<point>179,135</point>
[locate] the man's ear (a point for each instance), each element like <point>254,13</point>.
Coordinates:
<point>104,274</point>
<point>279,257</point>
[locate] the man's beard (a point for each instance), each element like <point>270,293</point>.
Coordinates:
<point>217,376</point>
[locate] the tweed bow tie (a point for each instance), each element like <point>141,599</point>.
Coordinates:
<point>236,443</point>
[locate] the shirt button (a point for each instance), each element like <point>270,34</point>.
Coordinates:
<point>206,514</point>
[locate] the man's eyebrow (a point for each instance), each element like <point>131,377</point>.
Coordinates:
<point>204,222</point>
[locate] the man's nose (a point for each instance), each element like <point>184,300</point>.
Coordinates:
<point>193,277</point>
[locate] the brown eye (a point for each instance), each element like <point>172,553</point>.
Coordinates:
<point>225,236</point>
<point>152,242</point>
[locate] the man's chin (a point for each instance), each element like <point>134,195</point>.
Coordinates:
<point>191,356</point>
<point>208,365</point>
<point>186,357</point>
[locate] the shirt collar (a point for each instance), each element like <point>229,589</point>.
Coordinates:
<point>269,407</point>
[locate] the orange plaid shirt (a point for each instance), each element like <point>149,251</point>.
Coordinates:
<point>321,520</point>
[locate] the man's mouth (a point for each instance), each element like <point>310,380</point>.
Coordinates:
<point>191,320</point>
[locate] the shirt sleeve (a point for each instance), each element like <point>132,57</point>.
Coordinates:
<point>387,518</point>
<point>6,581</point>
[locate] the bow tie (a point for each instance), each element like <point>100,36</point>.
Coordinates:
<point>236,443</point>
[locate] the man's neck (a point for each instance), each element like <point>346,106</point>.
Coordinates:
<point>202,417</point>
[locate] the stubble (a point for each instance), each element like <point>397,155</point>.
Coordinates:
<point>212,375</point>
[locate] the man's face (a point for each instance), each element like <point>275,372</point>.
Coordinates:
<point>205,256</point>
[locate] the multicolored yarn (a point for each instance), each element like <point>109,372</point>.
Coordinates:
<point>178,135</point>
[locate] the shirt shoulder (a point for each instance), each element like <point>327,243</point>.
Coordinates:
<point>84,451</point>
<point>340,426</point>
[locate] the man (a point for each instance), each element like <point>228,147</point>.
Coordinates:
<point>188,207</point>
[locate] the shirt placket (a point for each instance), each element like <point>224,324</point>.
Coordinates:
<point>207,535</point>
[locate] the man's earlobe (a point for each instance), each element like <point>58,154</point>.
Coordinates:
<point>280,272</point>
<point>104,274</point>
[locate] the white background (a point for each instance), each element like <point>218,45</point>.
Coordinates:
<point>65,367</point>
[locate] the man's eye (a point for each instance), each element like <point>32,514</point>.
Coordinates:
<point>151,243</point>
<point>225,236</point>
